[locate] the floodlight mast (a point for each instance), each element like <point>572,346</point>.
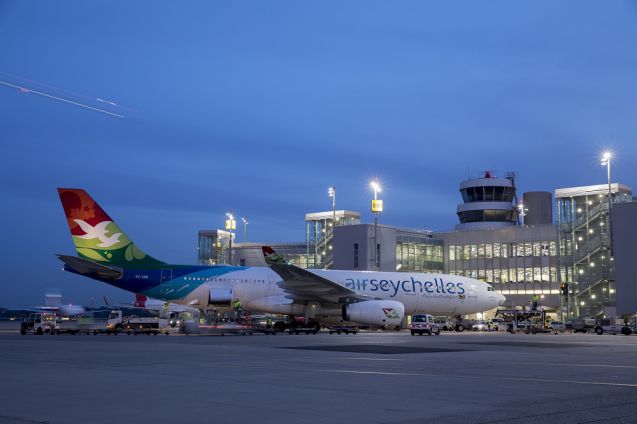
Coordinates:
<point>376,209</point>
<point>607,156</point>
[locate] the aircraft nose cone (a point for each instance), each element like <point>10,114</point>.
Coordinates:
<point>501,298</point>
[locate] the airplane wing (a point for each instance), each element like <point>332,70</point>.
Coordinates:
<point>303,285</point>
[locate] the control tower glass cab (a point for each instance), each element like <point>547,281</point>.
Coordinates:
<point>488,203</point>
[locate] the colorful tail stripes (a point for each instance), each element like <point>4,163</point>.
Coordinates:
<point>96,236</point>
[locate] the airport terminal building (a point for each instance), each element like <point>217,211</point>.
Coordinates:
<point>513,243</point>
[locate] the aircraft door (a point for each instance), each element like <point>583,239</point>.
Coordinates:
<point>472,294</point>
<point>165,278</point>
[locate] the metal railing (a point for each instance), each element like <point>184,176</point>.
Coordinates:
<point>591,214</point>
<point>590,247</point>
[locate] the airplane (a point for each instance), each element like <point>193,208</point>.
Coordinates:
<point>53,304</point>
<point>380,299</point>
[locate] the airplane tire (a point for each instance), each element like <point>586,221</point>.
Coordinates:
<point>459,328</point>
<point>599,331</point>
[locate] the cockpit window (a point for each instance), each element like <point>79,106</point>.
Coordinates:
<point>489,288</point>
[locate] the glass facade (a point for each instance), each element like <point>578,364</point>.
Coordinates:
<point>419,254</point>
<point>487,194</point>
<point>488,215</point>
<point>518,268</point>
<point>212,247</point>
<point>293,253</point>
<point>585,247</point>
<point>319,235</point>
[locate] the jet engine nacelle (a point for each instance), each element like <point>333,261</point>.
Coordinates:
<point>384,313</point>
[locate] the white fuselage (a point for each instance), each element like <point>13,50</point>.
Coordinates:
<point>436,294</point>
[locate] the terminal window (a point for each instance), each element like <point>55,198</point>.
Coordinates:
<point>355,255</point>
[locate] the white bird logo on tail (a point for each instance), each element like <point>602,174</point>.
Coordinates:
<point>98,232</point>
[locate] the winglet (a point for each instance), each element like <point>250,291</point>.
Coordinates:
<point>271,257</point>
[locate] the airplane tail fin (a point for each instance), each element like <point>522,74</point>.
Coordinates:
<point>96,236</point>
<point>271,257</point>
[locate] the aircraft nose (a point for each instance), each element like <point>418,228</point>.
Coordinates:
<point>501,298</point>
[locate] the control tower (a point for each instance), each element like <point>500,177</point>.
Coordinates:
<point>488,203</point>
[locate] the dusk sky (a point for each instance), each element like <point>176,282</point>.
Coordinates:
<point>259,106</point>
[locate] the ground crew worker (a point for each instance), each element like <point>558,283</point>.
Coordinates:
<point>534,300</point>
<point>237,309</point>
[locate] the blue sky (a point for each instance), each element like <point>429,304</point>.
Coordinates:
<point>260,106</point>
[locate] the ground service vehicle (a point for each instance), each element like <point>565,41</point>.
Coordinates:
<point>498,324</point>
<point>136,325</point>
<point>612,326</point>
<point>445,323</point>
<point>421,324</point>
<point>583,325</point>
<point>344,329</point>
<point>481,326</point>
<point>75,325</point>
<point>557,326</point>
<point>269,324</point>
<point>38,323</point>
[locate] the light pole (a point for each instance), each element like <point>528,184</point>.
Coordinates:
<point>377,207</point>
<point>606,158</point>
<point>231,224</point>
<point>245,228</point>
<point>332,193</point>
<point>522,212</point>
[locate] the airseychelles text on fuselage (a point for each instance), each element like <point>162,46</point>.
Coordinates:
<point>407,286</point>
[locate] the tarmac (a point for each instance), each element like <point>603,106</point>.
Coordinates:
<point>377,377</point>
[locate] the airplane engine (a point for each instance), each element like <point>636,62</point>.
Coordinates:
<point>220,296</point>
<point>385,313</point>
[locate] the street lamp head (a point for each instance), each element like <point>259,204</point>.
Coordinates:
<point>244,220</point>
<point>331,190</point>
<point>606,157</point>
<point>229,215</point>
<point>375,185</point>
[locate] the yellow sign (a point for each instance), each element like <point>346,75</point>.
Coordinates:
<point>377,205</point>
<point>231,224</point>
